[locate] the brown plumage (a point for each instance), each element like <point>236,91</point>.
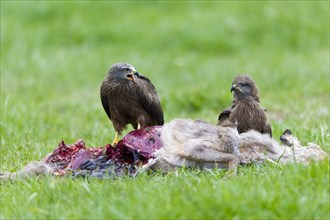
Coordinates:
<point>130,98</point>
<point>245,111</point>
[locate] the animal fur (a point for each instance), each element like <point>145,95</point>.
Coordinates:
<point>196,144</point>
<point>32,169</point>
<point>257,147</point>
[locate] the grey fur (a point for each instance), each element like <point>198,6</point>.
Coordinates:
<point>257,147</point>
<point>32,169</point>
<point>196,144</point>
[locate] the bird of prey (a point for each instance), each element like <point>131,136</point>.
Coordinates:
<point>245,111</point>
<point>130,98</point>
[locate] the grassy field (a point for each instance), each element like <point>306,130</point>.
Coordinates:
<point>54,55</point>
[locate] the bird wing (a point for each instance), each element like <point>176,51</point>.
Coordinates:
<point>267,129</point>
<point>149,100</point>
<point>105,103</point>
<point>224,115</point>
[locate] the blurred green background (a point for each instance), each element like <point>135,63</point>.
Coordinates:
<point>54,55</point>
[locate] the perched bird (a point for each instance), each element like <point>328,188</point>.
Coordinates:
<point>245,111</point>
<point>130,98</point>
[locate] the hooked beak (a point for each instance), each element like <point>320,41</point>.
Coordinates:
<point>233,87</point>
<point>131,75</point>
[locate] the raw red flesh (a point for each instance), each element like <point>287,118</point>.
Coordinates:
<point>135,148</point>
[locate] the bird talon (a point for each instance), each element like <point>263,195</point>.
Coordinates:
<point>115,141</point>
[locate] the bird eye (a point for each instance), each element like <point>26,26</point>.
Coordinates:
<point>243,84</point>
<point>127,69</point>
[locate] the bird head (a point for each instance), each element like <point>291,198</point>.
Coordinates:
<point>123,72</point>
<point>244,86</point>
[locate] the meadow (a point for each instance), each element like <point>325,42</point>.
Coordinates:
<point>54,55</point>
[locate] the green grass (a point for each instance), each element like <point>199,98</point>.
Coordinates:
<point>264,192</point>
<point>54,56</point>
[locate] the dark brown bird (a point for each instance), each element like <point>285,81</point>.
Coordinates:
<point>245,111</point>
<point>130,98</point>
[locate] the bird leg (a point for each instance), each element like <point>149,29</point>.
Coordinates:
<point>115,141</point>
<point>140,121</point>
